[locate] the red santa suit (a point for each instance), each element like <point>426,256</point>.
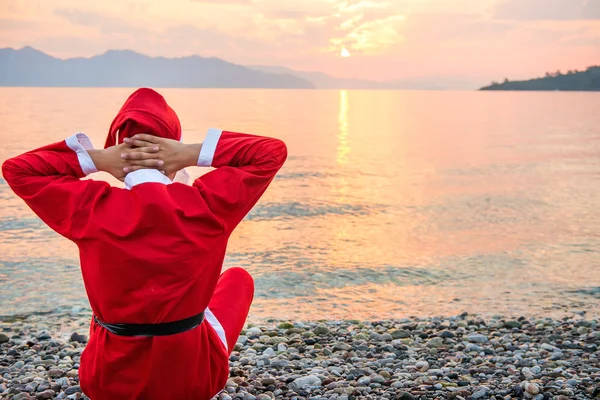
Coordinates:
<point>152,253</point>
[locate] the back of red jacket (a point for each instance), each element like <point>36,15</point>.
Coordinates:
<point>153,252</point>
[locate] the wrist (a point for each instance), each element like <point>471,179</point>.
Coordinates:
<point>98,158</point>
<point>191,152</point>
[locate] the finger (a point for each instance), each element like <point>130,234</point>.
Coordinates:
<point>139,156</point>
<point>134,168</point>
<point>148,149</point>
<point>146,138</point>
<point>140,143</point>
<point>145,163</point>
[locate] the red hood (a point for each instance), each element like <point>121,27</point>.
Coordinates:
<point>145,111</point>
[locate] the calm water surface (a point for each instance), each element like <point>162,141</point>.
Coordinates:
<point>391,203</point>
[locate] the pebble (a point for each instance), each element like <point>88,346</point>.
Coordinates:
<point>75,337</point>
<point>321,330</point>
<point>46,394</point>
<point>464,357</point>
<point>531,388</point>
<point>305,381</point>
<point>73,390</point>
<point>435,342</point>
<point>479,394</point>
<point>477,338</point>
<point>422,366</point>
<point>512,324</point>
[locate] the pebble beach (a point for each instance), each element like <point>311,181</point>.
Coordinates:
<point>464,357</point>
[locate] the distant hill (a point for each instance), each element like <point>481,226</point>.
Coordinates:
<point>125,68</point>
<point>588,80</point>
<point>321,80</point>
<point>324,81</point>
<point>30,67</point>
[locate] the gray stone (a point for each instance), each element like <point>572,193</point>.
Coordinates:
<point>422,366</point>
<point>406,396</point>
<point>267,381</point>
<point>547,347</point>
<point>512,324</point>
<point>364,381</point>
<point>400,334</point>
<point>341,346</point>
<point>62,382</point>
<point>321,330</point>
<point>269,352</point>
<point>435,342</point>
<point>435,372</point>
<point>45,395</point>
<point>477,338</point>
<point>279,363</point>
<point>305,382</point>
<point>255,331</point>
<point>73,390</point>
<point>531,388</point>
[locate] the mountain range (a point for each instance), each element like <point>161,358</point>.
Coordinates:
<point>30,67</point>
<point>125,68</point>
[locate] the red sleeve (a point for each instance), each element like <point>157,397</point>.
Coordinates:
<point>245,166</point>
<point>48,179</point>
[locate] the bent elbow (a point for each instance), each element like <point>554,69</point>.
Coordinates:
<point>8,170</point>
<point>282,151</point>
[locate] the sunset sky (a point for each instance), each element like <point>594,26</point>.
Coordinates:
<point>475,40</point>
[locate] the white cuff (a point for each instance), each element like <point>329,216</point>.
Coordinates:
<point>145,176</point>
<point>80,144</point>
<point>209,146</point>
<point>182,177</point>
<point>214,322</point>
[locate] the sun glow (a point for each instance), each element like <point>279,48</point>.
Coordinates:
<point>345,52</point>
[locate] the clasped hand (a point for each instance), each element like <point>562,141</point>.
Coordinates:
<point>144,151</point>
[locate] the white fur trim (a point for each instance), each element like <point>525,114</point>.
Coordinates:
<point>145,176</point>
<point>214,322</point>
<point>80,144</point>
<point>209,146</point>
<point>182,177</point>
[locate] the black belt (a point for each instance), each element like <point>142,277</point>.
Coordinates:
<point>162,329</point>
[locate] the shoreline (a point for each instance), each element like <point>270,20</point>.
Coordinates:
<point>460,357</point>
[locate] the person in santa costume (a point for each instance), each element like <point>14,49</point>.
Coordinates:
<point>165,318</point>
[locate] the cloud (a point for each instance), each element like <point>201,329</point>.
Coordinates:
<point>108,24</point>
<point>556,10</point>
<point>12,24</point>
<point>291,14</point>
<point>223,2</point>
<point>366,26</point>
<point>448,28</point>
